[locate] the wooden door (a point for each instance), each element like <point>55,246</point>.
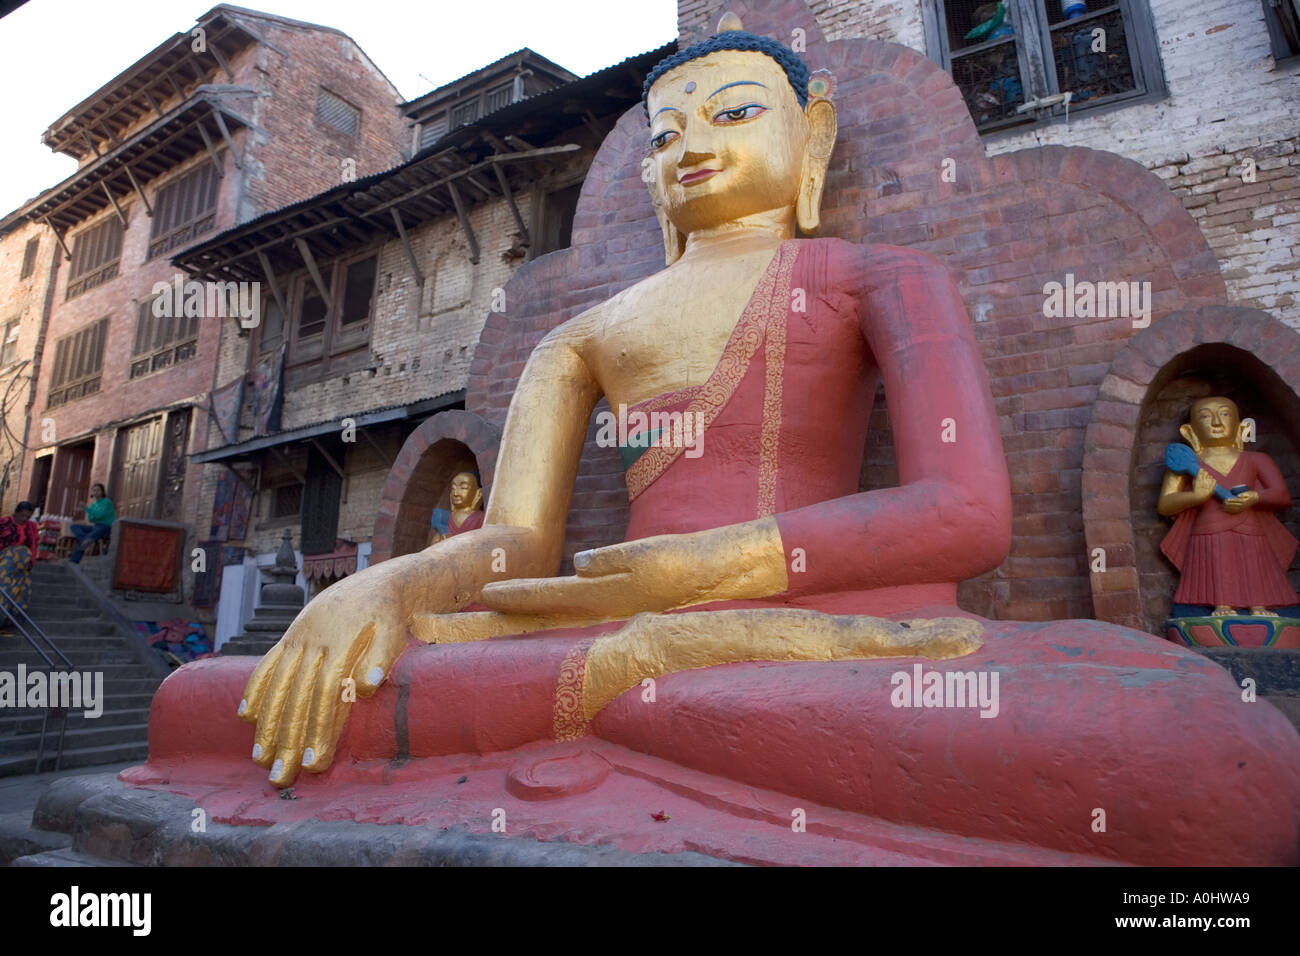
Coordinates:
<point>70,480</point>
<point>135,479</point>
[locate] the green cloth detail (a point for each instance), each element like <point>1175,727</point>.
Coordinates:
<point>101,512</point>
<point>636,446</point>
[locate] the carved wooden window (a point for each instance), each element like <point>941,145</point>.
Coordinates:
<point>1016,68</point>
<point>337,112</point>
<point>96,253</point>
<point>78,360</point>
<point>286,501</point>
<point>29,257</point>
<point>1282,17</point>
<point>270,333</point>
<point>184,208</point>
<point>319,330</point>
<point>162,341</point>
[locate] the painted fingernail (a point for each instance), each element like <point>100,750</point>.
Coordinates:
<point>257,751</point>
<point>375,676</point>
<point>582,559</point>
<point>308,757</point>
<point>277,768</point>
<point>243,706</point>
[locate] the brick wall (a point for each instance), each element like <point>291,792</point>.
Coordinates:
<point>23,300</point>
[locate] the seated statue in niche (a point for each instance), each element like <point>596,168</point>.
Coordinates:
<point>761,554</point>
<point>466,508</point>
<point>1227,543</point>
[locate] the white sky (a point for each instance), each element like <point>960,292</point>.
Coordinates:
<point>55,53</point>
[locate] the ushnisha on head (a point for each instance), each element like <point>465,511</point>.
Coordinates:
<point>736,136</point>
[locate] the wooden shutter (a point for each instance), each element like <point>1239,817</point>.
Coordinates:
<point>29,257</point>
<point>183,209</point>
<point>337,112</point>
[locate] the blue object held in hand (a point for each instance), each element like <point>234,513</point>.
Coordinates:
<point>1181,460</point>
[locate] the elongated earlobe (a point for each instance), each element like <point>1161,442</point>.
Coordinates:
<point>817,157</point>
<point>674,241</point>
<point>1189,436</point>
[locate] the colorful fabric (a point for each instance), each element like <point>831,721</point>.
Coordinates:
<point>225,403</point>
<point>230,508</point>
<point>268,380</point>
<point>178,638</point>
<point>11,533</point>
<point>16,573</point>
<point>148,558</point>
<point>101,512</point>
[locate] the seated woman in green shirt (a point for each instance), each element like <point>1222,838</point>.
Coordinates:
<point>101,513</point>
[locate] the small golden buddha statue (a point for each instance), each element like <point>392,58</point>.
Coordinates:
<point>1228,545</point>
<point>466,507</point>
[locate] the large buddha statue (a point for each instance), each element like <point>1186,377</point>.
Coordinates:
<point>757,586</point>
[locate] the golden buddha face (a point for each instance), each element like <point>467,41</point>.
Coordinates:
<point>464,489</point>
<point>728,139</point>
<point>1215,421</point>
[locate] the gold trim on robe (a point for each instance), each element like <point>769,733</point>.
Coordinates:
<point>762,323</point>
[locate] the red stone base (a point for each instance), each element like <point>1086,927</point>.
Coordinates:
<point>1096,724</point>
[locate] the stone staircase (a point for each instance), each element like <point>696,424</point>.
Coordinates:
<point>72,618</point>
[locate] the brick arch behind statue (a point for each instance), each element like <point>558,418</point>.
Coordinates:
<point>1004,228</point>
<point>1151,360</point>
<point>418,477</point>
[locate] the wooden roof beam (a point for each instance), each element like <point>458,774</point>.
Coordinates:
<point>406,245</point>
<point>470,238</point>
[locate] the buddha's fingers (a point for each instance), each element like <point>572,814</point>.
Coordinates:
<point>573,597</point>
<point>256,686</point>
<point>335,691</point>
<point>293,721</point>
<point>935,638</point>
<point>374,657</point>
<point>268,724</point>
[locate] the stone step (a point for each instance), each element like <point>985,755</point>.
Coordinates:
<point>90,627</point>
<point>11,657</point>
<point>66,857</point>
<point>19,838</point>
<point>11,766</point>
<point>154,828</point>
<point>28,720</point>
<point>80,736</point>
<point>55,595</point>
<point>50,618</point>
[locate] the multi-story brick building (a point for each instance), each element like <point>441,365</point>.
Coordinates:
<point>242,113</point>
<point>375,293</point>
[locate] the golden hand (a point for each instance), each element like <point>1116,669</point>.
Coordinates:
<point>341,646</point>
<point>1242,502</point>
<point>655,574</point>
<point>1203,485</point>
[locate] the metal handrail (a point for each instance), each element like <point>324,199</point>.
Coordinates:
<point>8,605</point>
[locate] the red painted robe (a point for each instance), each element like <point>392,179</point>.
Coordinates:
<point>472,521</point>
<point>1239,560</point>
